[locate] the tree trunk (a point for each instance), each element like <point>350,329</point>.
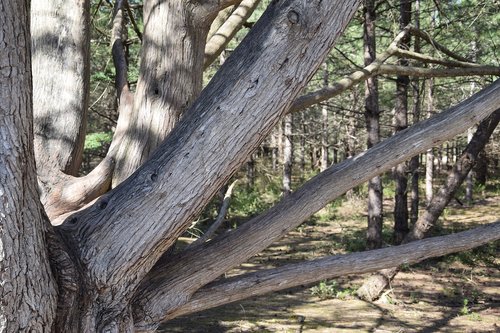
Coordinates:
<point>61,81</point>
<point>324,124</point>
<point>372,116</point>
<point>469,184</point>
<point>170,79</point>
<point>481,168</point>
<point>26,280</point>
<point>287,154</point>
<point>415,161</point>
<point>429,156</point>
<point>401,123</point>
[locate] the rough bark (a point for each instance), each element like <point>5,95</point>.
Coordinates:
<point>148,212</point>
<point>373,287</point>
<point>185,273</point>
<point>372,117</point>
<point>26,279</point>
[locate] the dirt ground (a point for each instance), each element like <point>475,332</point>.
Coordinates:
<point>457,293</point>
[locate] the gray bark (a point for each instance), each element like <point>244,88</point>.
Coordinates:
<point>252,284</point>
<point>372,116</point>
<point>147,213</point>
<point>61,79</point>
<point>26,279</point>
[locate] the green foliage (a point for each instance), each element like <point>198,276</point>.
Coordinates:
<point>95,141</point>
<point>330,289</point>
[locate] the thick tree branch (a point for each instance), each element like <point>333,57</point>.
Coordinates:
<point>218,42</point>
<point>221,17</point>
<point>265,281</point>
<point>140,219</point>
<point>185,273</point>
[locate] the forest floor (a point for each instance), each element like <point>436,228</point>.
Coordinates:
<point>456,293</point>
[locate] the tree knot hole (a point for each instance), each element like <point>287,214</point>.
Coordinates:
<point>103,204</point>
<point>293,17</point>
<point>153,177</point>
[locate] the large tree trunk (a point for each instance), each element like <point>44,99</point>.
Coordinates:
<point>27,286</point>
<point>373,287</point>
<point>171,70</point>
<point>372,116</point>
<point>61,79</point>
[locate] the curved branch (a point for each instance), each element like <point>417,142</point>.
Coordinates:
<point>66,194</point>
<point>293,275</point>
<point>427,37</point>
<point>347,82</point>
<point>220,217</point>
<point>228,30</point>
<point>186,272</point>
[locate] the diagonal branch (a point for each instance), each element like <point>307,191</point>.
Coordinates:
<point>426,36</point>
<point>183,274</point>
<point>147,212</point>
<point>349,81</point>
<point>293,275</point>
<point>374,285</point>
